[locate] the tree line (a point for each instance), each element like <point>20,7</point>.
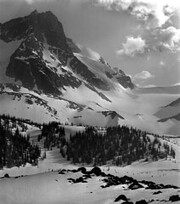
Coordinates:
<point>20,121</point>
<point>119,145</point>
<point>15,149</point>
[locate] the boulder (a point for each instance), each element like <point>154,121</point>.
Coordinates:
<point>141,202</point>
<point>96,171</point>
<point>121,198</point>
<point>174,198</point>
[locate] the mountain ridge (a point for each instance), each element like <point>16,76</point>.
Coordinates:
<point>40,33</point>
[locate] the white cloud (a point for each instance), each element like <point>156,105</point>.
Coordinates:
<point>45,1</point>
<point>143,75</point>
<point>164,38</point>
<point>142,12</point>
<point>113,4</point>
<point>158,12</point>
<point>173,35</point>
<point>158,26</point>
<point>132,46</point>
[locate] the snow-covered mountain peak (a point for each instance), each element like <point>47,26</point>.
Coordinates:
<point>45,51</point>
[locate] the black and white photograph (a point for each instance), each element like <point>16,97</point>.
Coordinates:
<point>89,101</point>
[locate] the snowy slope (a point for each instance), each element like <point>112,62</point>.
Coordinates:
<point>60,190</point>
<point>84,106</point>
<point>169,110</point>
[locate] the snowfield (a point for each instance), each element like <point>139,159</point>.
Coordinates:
<point>54,180</point>
<point>52,187</point>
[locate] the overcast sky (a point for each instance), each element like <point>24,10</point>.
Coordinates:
<point>142,37</point>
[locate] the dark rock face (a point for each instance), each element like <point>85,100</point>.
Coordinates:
<point>39,24</point>
<point>29,67</point>
<point>42,31</point>
<point>121,77</point>
<point>113,114</point>
<point>27,63</point>
<point>81,69</point>
<point>125,81</point>
<point>74,48</point>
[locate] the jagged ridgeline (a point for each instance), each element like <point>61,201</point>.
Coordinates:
<point>40,62</point>
<point>117,145</point>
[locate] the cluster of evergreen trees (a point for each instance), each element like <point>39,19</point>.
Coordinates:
<point>54,135</point>
<point>15,150</point>
<point>120,145</point>
<point>17,121</point>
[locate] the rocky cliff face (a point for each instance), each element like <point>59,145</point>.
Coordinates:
<point>39,24</point>
<point>27,64</point>
<point>45,59</point>
<point>123,79</point>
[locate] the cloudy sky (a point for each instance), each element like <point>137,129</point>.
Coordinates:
<point>142,37</point>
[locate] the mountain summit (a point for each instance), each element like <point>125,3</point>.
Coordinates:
<point>45,60</point>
